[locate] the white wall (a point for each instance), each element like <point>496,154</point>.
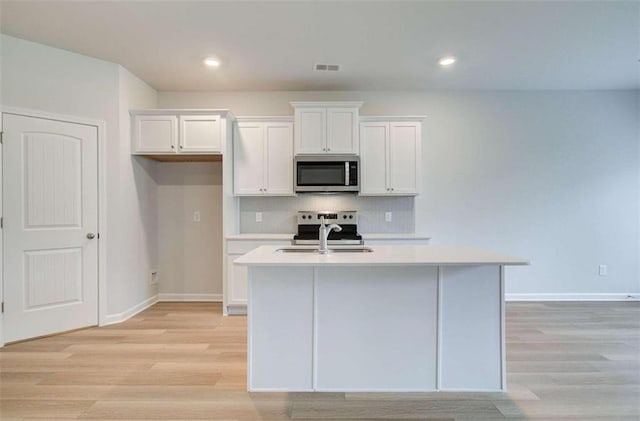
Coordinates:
<point>134,195</point>
<point>190,252</point>
<point>552,176</point>
<point>39,77</point>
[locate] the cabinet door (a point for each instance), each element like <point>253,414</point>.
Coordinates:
<point>248,159</point>
<point>342,130</point>
<point>279,158</point>
<point>405,157</point>
<point>236,282</point>
<point>310,130</point>
<point>373,158</point>
<point>200,134</point>
<point>155,133</point>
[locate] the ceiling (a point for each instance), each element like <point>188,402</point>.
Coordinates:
<point>387,45</point>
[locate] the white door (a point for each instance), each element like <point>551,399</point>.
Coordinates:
<point>310,130</point>
<point>200,133</point>
<point>50,213</point>
<point>373,158</point>
<point>404,157</point>
<point>279,158</point>
<point>342,130</point>
<point>155,133</point>
<point>248,159</point>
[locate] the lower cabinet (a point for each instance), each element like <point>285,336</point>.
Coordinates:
<point>235,282</point>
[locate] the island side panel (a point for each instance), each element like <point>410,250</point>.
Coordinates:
<point>280,329</point>
<point>376,328</point>
<point>471,328</point>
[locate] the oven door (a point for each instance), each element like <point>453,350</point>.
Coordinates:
<point>324,174</point>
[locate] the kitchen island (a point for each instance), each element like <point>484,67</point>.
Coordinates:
<point>394,318</point>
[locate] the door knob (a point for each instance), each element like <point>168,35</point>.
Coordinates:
<point>91,236</point>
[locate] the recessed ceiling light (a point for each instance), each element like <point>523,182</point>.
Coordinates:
<point>447,61</point>
<point>212,62</point>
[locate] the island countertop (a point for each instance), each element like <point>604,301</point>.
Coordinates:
<point>382,255</point>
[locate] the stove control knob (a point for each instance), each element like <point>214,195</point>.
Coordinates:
<point>344,216</point>
<point>304,216</point>
<point>350,216</point>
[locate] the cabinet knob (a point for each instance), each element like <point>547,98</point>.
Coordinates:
<point>173,147</point>
<point>180,146</point>
<point>91,236</point>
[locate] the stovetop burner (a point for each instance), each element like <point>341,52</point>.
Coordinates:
<point>309,226</point>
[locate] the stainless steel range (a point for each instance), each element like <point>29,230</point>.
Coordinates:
<point>309,227</point>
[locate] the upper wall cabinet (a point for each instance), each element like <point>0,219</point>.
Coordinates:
<point>178,132</point>
<point>390,156</point>
<point>263,156</point>
<point>326,127</point>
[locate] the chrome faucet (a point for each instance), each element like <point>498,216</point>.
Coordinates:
<point>324,234</point>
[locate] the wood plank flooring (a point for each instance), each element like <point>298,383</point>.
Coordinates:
<point>186,361</point>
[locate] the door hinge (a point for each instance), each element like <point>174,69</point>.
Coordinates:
<point>2,309</point>
<point>1,222</point>
<point>1,133</point>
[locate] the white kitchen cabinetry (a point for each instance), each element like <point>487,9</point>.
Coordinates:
<point>263,157</point>
<point>235,282</point>
<point>390,156</point>
<point>170,134</point>
<point>326,127</point>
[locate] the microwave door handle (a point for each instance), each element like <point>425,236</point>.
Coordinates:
<point>346,173</point>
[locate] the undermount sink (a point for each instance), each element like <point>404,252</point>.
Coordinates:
<point>331,250</point>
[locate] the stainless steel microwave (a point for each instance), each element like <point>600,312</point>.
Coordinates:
<point>327,173</point>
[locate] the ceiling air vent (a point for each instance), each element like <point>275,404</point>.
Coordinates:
<point>326,67</point>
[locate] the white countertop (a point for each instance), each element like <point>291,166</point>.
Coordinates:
<point>280,236</point>
<point>395,236</point>
<point>397,255</point>
<point>252,236</point>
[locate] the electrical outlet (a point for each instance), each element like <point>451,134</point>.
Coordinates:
<point>153,277</point>
<point>602,270</point>
<point>388,216</point>
<point>258,216</point>
<point>196,216</point>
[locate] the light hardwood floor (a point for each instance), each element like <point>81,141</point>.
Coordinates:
<point>186,361</point>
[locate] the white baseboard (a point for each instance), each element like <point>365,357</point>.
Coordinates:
<point>190,297</point>
<point>127,314</point>
<point>574,297</point>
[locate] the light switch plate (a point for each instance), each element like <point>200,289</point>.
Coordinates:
<point>196,216</point>
<point>602,270</point>
<point>258,216</point>
<point>388,216</point>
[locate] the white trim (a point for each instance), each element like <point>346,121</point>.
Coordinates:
<point>165,296</point>
<point>101,127</point>
<point>1,249</point>
<point>314,336</point>
<point>621,296</point>
<point>235,310</point>
<point>267,119</point>
<point>127,314</point>
<point>394,119</point>
<point>439,327</point>
<point>330,104</point>
<point>249,329</point>
<point>177,111</point>
<point>503,334</point>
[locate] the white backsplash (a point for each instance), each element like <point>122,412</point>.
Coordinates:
<point>279,213</point>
